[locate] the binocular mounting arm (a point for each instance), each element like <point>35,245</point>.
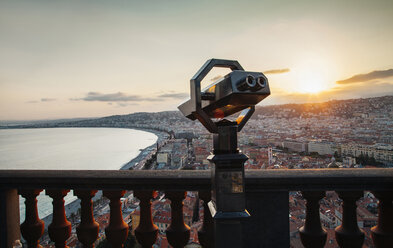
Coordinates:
<point>196,98</point>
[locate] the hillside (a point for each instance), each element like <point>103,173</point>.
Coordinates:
<point>376,106</point>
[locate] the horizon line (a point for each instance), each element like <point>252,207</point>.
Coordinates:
<point>97,117</point>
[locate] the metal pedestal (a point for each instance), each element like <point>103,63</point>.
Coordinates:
<point>228,199</point>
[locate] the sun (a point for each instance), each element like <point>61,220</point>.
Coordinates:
<point>311,80</point>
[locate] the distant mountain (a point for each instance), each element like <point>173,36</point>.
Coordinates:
<point>32,122</point>
<point>340,108</point>
<point>141,120</point>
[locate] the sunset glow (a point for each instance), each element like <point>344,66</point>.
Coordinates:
<point>65,59</point>
<point>311,81</point>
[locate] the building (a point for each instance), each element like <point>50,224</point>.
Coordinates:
<point>162,158</point>
<point>270,155</point>
<point>349,161</point>
<point>295,146</point>
<point>322,148</point>
<point>381,153</point>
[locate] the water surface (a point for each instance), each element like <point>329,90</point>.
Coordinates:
<point>69,149</point>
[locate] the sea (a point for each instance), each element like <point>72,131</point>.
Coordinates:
<point>69,149</point>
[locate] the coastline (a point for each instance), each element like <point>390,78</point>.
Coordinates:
<point>74,206</point>
<point>161,137</point>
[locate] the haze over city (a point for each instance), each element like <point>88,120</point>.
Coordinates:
<point>97,58</point>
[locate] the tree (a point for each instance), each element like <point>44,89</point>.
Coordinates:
<point>360,159</point>
<point>337,157</point>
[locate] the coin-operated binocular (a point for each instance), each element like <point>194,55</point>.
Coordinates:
<point>237,91</point>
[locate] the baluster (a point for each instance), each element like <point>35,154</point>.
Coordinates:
<point>205,234</point>
<point>87,230</point>
<point>178,233</point>
<point>33,228</point>
<point>146,232</point>
<point>117,230</point>
<point>60,228</point>
<point>348,233</point>
<point>382,233</point>
<point>312,234</point>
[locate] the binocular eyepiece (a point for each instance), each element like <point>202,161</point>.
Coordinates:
<point>252,83</point>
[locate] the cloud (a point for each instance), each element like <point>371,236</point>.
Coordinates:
<point>122,99</point>
<point>114,97</point>
<point>125,104</point>
<point>277,71</point>
<point>368,76</point>
<point>174,95</point>
<point>43,100</point>
<point>347,91</point>
<point>48,99</point>
<point>216,78</point>
<point>361,90</point>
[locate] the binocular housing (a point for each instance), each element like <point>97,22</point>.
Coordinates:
<point>236,91</point>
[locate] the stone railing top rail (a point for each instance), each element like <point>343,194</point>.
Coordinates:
<point>181,180</point>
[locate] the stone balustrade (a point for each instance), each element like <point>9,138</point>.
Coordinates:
<point>266,199</point>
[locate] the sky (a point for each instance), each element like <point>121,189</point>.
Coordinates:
<point>68,59</point>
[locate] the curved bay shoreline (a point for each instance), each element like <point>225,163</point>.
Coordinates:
<point>74,206</point>
<point>161,137</point>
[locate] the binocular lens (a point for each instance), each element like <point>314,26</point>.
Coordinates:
<point>248,83</point>
<point>250,80</point>
<point>261,81</point>
<point>251,83</point>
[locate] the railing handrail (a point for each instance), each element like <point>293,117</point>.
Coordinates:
<point>198,180</point>
<point>320,179</point>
